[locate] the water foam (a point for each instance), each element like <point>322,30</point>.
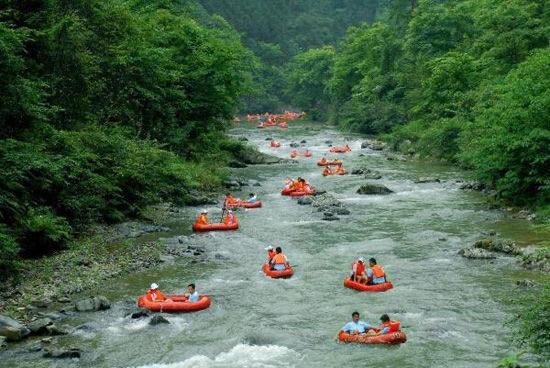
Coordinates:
<point>242,356</point>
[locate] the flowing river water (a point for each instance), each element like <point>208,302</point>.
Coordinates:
<point>453,310</point>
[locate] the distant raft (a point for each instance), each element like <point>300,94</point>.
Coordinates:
<point>177,304</point>
<point>244,204</point>
<point>392,338</point>
<point>368,288</point>
<point>215,227</point>
<point>285,274</point>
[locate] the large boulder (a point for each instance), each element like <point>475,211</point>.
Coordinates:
<point>476,253</point>
<point>12,330</point>
<point>3,342</point>
<point>329,216</point>
<point>251,156</point>
<point>38,327</point>
<point>373,189</point>
<point>92,304</point>
<point>325,200</point>
<point>294,145</point>
<point>497,245</point>
<point>427,180</point>
<point>236,164</point>
<point>304,201</point>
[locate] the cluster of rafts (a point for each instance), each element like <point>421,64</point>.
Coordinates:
<point>293,188</point>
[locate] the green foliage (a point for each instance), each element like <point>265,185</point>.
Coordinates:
<point>102,103</point>
<point>511,361</point>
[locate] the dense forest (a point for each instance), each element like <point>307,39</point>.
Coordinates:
<point>464,81</point>
<point>106,107</point>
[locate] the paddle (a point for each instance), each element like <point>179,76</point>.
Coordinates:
<point>223,212</point>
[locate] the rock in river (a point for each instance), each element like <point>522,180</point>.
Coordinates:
<point>158,319</point>
<point>373,189</point>
<point>476,253</point>
<point>305,201</point>
<point>62,353</point>
<point>92,304</point>
<point>38,327</point>
<point>11,329</point>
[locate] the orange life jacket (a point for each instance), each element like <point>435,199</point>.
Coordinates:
<point>359,268</point>
<point>279,258</point>
<point>327,171</point>
<point>203,219</point>
<point>378,271</point>
<point>323,160</point>
<point>155,295</point>
<point>392,325</point>
<point>230,200</point>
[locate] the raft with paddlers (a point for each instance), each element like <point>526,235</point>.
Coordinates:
<point>244,204</point>
<point>342,149</point>
<point>349,283</point>
<point>391,338</point>
<point>327,163</point>
<point>294,154</point>
<point>174,304</point>
<point>275,144</point>
<point>284,274</point>
<point>215,227</point>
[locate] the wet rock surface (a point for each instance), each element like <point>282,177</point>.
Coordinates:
<point>92,304</point>
<point>157,320</point>
<point>476,253</point>
<point>12,330</point>
<point>62,353</point>
<point>370,188</point>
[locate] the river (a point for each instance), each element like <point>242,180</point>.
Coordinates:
<point>451,309</point>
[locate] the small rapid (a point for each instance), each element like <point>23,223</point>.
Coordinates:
<point>451,309</point>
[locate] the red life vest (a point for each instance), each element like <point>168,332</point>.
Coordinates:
<point>392,325</point>
<point>358,268</point>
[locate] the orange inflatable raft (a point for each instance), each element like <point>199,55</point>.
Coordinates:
<point>177,304</point>
<point>333,162</point>
<point>343,149</point>
<point>214,227</point>
<point>368,288</point>
<point>301,193</point>
<point>307,153</point>
<point>391,338</point>
<point>285,274</point>
<point>275,144</point>
<point>244,204</point>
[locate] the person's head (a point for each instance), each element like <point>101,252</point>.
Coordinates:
<point>303,180</point>
<point>269,248</point>
<point>228,194</point>
<point>299,178</point>
<point>278,250</point>
<point>361,260</point>
<point>385,318</point>
<point>355,316</point>
<point>251,195</point>
<point>204,212</point>
<point>229,212</point>
<point>372,262</point>
<point>154,286</point>
<point>191,288</point>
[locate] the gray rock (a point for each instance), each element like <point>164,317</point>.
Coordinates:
<point>357,171</point>
<point>35,348</point>
<point>12,330</point>
<point>63,353</point>
<point>38,327</point>
<point>236,164</point>
<point>329,216</point>
<point>476,253</point>
<point>252,156</point>
<point>497,245</point>
<point>54,330</point>
<point>442,239</point>
<point>373,189</point>
<point>269,139</point>
<point>303,141</point>
<point>3,342</point>
<point>253,183</point>
<point>304,201</point>
<point>63,299</point>
<point>472,186</point>
<point>325,200</point>
<point>526,284</point>
<point>233,184</point>
<point>243,139</point>
<point>343,211</point>
<point>41,303</point>
<point>427,180</point>
<point>92,304</point>
<point>294,145</point>
<point>373,145</point>
<point>158,319</point>
<point>373,175</point>
<point>328,142</point>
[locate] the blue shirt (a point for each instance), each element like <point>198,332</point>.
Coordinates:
<point>375,280</point>
<point>252,199</point>
<point>193,298</point>
<point>385,330</point>
<point>359,326</point>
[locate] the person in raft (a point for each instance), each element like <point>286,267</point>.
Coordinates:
<point>356,326</point>
<point>387,326</point>
<point>358,271</point>
<point>340,170</point>
<point>230,218</point>
<point>375,273</point>
<point>327,171</point>
<point>252,198</point>
<point>348,148</point>
<point>323,161</point>
<point>279,262</point>
<point>270,254</point>
<point>229,200</point>
<point>203,218</point>
<point>298,184</point>
<point>192,294</point>
<point>155,295</point>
